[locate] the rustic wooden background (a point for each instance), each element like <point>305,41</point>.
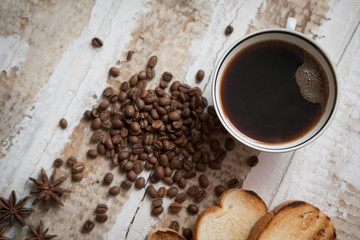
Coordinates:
<point>49,71</point>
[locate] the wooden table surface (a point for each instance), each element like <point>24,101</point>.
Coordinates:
<point>50,71</point>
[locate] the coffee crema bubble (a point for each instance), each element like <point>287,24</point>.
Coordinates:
<point>312,80</point>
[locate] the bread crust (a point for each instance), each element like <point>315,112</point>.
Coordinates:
<point>164,234</point>
<point>324,230</point>
<point>219,206</point>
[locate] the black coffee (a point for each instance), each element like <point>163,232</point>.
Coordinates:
<point>260,94</point>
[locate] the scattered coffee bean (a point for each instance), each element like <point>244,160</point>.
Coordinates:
<point>203,181</point>
<point>214,145</point>
<point>200,196</point>
<point>229,29</point>
<point>96,42</point>
<point>174,225</point>
<point>157,202</point>
<point>92,153</point>
<point>87,115</point>
<point>95,123</point>
<point>181,197</point>
<point>156,211</point>
<point>131,176</point>
<point>175,207</point>
<point>126,184</point>
<point>219,189</point>
<point>192,209</point>
<point>88,226</point>
<point>129,55</point>
<point>229,144</point>
<point>78,167</point>
<point>101,217</point>
<point>108,178</point>
<point>151,191</point>
<point>168,180</point>
<point>58,162</point>
<point>63,123</point>
<point>114,190</point>
<point>172,192</point>
<point>77,177</point>
<point>159,172</point>
<point>193,190</point>
<point>152,61</point>
<point>140,183</point>
<point>187,233</point>
<point>200,75</point>
<point>252,161</point>
<point>215,165</point>
<point>233,183</point>
<point>114,72</point>
<point>101,208</point>
<point>71,160</point>
<point>161,192</point>
<point>182,183</point>
<point>142,75</point>
<point>167,76</point>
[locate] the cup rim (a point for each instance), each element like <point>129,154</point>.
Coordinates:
<point>275,147</point>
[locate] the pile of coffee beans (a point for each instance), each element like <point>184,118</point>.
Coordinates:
<point>165,131</point>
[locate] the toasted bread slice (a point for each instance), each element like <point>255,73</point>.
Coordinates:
<point>294,220</point>
<point>164,234</point>
<point>234,216</point>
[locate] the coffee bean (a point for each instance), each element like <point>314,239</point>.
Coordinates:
<point>187,233</point>
<point>215,165</point>
<point>175,207</point>
<point>172,192</point>
<point>157,202</point>
<point>168,145</point>
<point>101,208</point>
<point>78,167</point>
<point>189,174</point>
<point>168,180</point>
<point>114,190</point>
<point>200,196</point>
<point>92,153</point>
<point>200,75</point>
<point>95,124</point>
<point>219,189</point>
<point>140,183</point>
<point>177,176</point>
<point>229,144</point>
<point>96,42</point>
<point>168,172</point>
<point>197,156</point>
<point>174,225</point>
<point>157,124</point>
<point>126,184</point>
<point>174,116</point>
<point>108,178</point>
<point>87,115</point>
<point>142,75</point>
<point>114,71</point>
<point>96,136</point>
<point>131,176</point>
<point>58,162</point>
<point>153,179</point>
<point>188,165</point>
<point>175,86</point>
<point>150,72</point>
<point>181,197</point>
<point>203,181</point>
<point>151,191</point>
<point>229,29</point>
<point>192,209</point>
<point>167,76</point>
<point>130,111</point>
<point>233,183</point>
<point>101,217</point>
<point>161,192</point>
<point>201,167</point>
<point>193,190</point>
<point>159,172</point>
<point>63,123</point>
<point>88,226</point>
<point>71,160</point>
<point>156,211</point>
<point>163,84</point>
<point>125,86</point>
<point>77,177</point>
<point>182,183</point>
<point>135,126</point>
<point>137,148</point>
<point>152,61</point>
<point>252,161</point>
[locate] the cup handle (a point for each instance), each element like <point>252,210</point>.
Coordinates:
<point>291,23</point>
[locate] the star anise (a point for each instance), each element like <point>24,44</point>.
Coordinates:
<point>40,234</point>
<point>13,210</point>
<point>48,188</point>
<point>2,231</point>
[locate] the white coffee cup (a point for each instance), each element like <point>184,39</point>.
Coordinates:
<point>287,34</point>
